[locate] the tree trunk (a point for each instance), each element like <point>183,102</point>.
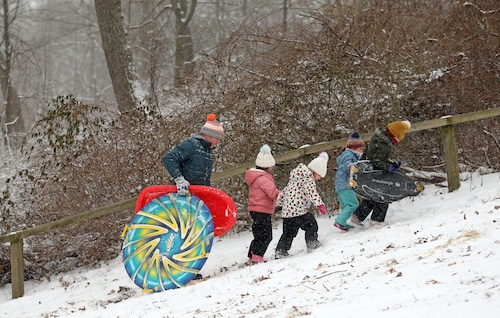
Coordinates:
<point>118,56</point>
<point>183,41</point>
<point>13,124</point>
<point>285,14</point>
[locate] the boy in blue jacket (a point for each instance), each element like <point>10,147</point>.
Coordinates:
<point>347,197</point>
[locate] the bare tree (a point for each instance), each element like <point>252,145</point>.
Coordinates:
<point>13,127</point>
<point>183,40</point>
<point>118,56</point>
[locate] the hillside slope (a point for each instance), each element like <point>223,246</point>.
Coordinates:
<point>438,255</point>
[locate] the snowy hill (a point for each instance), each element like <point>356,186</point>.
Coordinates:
<point>437,256</point>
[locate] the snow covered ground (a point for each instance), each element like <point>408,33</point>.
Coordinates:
<point>438,255</point>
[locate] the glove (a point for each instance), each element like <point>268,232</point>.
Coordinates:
<point>322,209</point>
<point>182,185</point>
<point>394,166</point>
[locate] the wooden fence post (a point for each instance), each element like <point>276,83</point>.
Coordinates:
<point>17,268</point>
<point>451,157</point>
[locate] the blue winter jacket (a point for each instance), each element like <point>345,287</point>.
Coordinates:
<point>342,176</point>
<point>193,159</point>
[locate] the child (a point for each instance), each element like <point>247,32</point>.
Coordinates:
<point>379,151</point>
<point>191,161</point>
<point>262,196</point>
<point>295,199</point>
<point>347,197</point>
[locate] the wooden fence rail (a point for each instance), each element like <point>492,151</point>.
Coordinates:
<point>446,124</point>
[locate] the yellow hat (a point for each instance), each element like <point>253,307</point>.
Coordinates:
<point>399,128</point>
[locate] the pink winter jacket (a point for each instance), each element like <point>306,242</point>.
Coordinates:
<point>262,192</point>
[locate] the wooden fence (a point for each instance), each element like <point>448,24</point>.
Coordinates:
<point>452,170</point>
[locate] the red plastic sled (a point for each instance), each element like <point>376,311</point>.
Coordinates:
<point>220,204</point>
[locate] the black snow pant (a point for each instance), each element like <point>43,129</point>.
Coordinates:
<point>378,210</point>
<point>291,227</point>
<point>262,230</point>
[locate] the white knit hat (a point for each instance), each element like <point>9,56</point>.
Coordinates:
<point>265,158</point>
<point>319,164</point>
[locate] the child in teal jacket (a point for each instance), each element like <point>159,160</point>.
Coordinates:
<point>347,197</point>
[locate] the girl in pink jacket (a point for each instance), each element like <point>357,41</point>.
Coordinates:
<point>262,195</point>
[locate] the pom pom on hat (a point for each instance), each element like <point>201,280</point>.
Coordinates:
<point>213,127</point>
<point>399,128</point>
<point>319,164</point>
<point>265,158</point>
<point>355,141</point>
<point>324,155</point>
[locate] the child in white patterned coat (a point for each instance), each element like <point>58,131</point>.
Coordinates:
<point>296,199</point>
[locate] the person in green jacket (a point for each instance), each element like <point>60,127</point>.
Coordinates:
<point>378,151</point>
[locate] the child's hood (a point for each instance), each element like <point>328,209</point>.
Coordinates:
<point>301,172</point>
<point>252,174</point>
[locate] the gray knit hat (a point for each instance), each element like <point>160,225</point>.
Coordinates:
<point>213,127</point>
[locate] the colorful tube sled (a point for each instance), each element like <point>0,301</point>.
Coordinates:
<point>168,242</point>
<point>220,204</point>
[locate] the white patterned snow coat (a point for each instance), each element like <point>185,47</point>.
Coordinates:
<point>299,193</point>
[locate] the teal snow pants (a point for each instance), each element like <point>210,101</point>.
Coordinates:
<point>348,202</point>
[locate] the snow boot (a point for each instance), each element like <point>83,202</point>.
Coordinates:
<point>354,221</point>
<point>281,254</point>
<point>341,227</point>
<point>375,223</point>
<point>198,277</point>
<point>255,259</point>
<point>311,246</point>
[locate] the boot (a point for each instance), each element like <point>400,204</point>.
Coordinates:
<point>281,254</point>
<point>311,246</point>
<point>341,227</point>
<point>375,223</point>
<point>354,221</point>
<point>256,259</point>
